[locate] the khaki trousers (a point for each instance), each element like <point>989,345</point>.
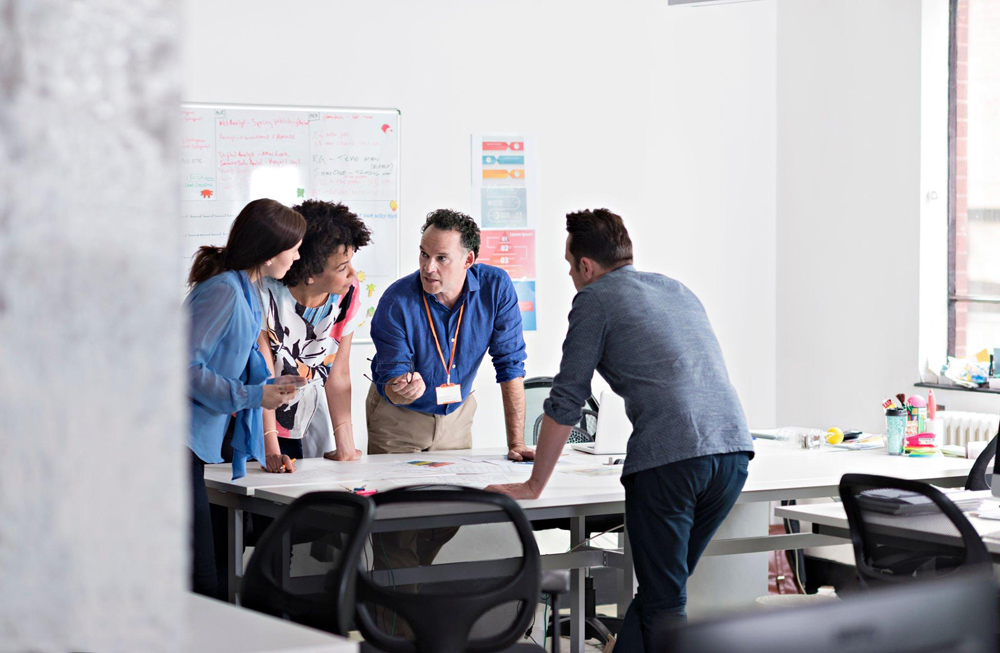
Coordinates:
<point>392,429</point>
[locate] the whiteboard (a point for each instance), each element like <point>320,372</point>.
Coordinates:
<point>232,154</point>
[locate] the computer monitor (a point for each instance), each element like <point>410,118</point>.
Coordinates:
<point>942,615</point>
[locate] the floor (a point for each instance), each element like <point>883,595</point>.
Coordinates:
<point>590,646</point>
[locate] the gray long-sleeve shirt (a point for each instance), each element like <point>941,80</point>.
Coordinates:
<point>649,337</point>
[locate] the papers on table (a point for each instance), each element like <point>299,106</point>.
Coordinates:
<point>891,501</point>
<point>466,471</point>
<point>866,441</point>
<point>592,472</point>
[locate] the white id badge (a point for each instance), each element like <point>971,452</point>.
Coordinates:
<point>449,393</point>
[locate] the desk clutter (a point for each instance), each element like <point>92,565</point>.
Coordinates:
<point>801,437</point>
<point>914,427</point>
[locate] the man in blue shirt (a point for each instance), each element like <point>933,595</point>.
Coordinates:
<point>431,330</point>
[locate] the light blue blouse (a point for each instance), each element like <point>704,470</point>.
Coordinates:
<point>227,370</point>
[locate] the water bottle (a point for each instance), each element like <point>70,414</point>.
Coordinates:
<point>895,430</point>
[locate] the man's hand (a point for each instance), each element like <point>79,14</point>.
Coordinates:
<point>279,464</point>
<point>344,455</point>
<point>518,451</point>
<point>516,490</point>
<point>402,392</point>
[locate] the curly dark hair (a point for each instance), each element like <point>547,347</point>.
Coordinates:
<point>329,227</point>
<point>448,220</point>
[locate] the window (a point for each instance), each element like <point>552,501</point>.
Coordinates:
<point>974,177</point>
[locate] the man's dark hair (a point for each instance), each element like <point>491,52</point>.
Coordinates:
<point>329,227</point>
<point>600,235</point>
<point>448,220</point>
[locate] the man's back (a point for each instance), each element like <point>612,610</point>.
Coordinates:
<point>656,348</point>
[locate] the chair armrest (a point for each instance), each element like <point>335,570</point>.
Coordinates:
<point>555,582</point>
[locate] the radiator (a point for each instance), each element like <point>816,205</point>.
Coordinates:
<point>960,428</point>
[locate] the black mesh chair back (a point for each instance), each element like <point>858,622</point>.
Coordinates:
<point>304,566</point>
<point>430,585</point>
<point>903,530</point>
<point>536,391</point>
<point>585,431</point>
<point>978,477</point>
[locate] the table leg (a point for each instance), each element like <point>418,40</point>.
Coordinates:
<point>235,552</point>
<point>577,595</point>
<point>626,578</point>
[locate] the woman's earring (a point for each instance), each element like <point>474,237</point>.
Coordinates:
<point>268,263</point>
<point>309,281</point>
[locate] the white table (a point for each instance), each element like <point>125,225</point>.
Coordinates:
<point>216,627</point>
<point>830,519</point>
<point>776,473</point>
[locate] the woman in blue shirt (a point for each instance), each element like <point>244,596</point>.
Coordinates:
<point>227,374</point>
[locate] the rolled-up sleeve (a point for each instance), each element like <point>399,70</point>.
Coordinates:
<point>212,314</point>
<point>507,340</point>
<point>393,350</point>
<point>582,351</point>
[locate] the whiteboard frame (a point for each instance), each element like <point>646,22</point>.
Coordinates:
<point>372,110</point>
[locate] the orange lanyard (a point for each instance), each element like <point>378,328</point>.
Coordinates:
<point>437,343</point>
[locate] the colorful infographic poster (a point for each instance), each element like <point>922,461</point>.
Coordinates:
<point>513,251</point>
<point>504,202</point>
<point>526,302</point>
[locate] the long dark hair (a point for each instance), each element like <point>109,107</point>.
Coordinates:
<point>262,230</point>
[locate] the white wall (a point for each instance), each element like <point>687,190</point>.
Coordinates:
<point>93,491</point>
<point>862,249</point>
<point>933,298</point>
<point>665,115</point>
<point>848,208</point>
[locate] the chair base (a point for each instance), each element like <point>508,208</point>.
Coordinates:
<point>596,627</point>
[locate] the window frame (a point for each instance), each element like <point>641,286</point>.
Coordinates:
<point>954,299</point>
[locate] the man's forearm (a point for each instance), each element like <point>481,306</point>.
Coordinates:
<point>513,410</point>
<point>552,438</point>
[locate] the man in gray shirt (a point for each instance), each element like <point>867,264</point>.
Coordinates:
<point>649,337</point>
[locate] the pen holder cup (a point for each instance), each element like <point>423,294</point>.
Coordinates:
<point>895,430</point>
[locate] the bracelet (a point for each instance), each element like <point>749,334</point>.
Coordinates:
<point>275,431</point>
<point>341,424</point>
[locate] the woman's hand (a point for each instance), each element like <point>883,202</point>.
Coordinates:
<point>277,395</point>
<point>279,464</point>
<point>345,455</point>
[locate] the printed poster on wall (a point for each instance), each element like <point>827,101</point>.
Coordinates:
<point>504,203</point>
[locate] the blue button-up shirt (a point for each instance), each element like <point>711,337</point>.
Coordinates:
<point>226,372</point>
<point>491,321</point>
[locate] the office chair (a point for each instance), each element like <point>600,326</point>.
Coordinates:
<point>328,531</point>
<point>536,391</point>
<point>978,478</point>
<point>882,558</point>
<point>437,588</point>
<point>933,616</point>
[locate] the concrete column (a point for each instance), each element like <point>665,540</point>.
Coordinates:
<point>93,422</point>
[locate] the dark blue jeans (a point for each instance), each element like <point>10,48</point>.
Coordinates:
<point>203,574</point>
<point>671,513</point>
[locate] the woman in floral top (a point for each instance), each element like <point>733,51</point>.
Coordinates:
<point>308,323</point>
